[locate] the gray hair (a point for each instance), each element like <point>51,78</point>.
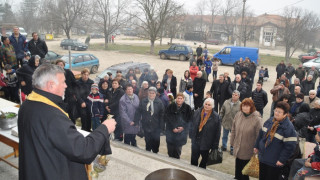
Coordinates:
<point>37,57</point>
<point>313,91</point>
<point>144,82</point>
<point>237,92</point>
<point>45,73</point>
<point>297,79</point>
<point>133,81</point>
<point>210,100</point>
<point>152,89</point>
<point>310,76</point>
<point>106,76</point>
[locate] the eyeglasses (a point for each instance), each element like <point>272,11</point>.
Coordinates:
<point>312,94</point>
<point>277,111</point>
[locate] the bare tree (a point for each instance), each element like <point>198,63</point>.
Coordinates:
<point>295,23</point>
<point>230,14</point>
<point>29,9</point>
<point>249,26</point>
<point>155,13</point>
<point>174,22</point>
<point>67,12</point>
<point>110,17</point>
<point>312,29</point>
<point>214,11</point>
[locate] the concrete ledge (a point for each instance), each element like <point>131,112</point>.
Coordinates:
<point>129,162</point>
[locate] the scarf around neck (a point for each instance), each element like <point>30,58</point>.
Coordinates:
<point>272,131</point>
<point>150,104</point>
<point>189,93</point>
<point>204,119</point>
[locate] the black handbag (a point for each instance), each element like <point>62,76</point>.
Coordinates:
<point>215,157</point>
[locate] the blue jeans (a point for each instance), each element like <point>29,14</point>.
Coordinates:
<point>95,122</point>
<point>225,138</point>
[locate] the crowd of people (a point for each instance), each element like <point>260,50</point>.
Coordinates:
<point>144,106</point>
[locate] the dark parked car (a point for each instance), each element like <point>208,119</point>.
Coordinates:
<point>51,57</point>
<point>213,41</point>
<point>96,36</point>
<point>182,52</point>
<point>82,60</point>
<point>123,67</point>
<point>74,43</point>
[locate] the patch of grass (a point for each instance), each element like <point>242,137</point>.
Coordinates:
<point>275,60</point>
<point>266,60</point>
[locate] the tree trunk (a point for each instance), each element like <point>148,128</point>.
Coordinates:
<point>287,55</point>
<point>152,46</point>
<point>68,33</point>
<point>171,40</point>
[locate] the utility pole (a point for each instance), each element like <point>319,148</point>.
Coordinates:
<point>241,30</point>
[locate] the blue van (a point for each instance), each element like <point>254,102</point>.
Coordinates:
<point>230,54</point>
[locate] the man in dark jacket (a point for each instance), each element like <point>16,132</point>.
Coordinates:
<point>307,85</point>
<point>177,117</point>
<point>199,51</point>
<point>218,90</point>
<point>281,69</point>
<point>19,44</point>
<point>150,114</point>
<point>260,98</point>
<point>83,90</point>
<point>237,84</point>
<point>144,77</point>
<point>37,46</point>
<point>290,72</point>
<point>300,73</point>
<point>296,82</point>
<point>50,147</point>
<point>198,90</point>
<point>315,120</point>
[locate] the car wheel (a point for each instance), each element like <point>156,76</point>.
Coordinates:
<point>182,57</point>
<point>163,56</point>
<point>94,69</point>
<point>76,48</point>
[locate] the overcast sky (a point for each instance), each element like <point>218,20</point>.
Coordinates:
<point>264,6</point>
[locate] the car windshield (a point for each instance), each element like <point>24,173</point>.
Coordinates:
<point>113,72</point>
<point>66,59</point>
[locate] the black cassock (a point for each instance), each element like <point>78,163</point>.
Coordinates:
<point>198,88</point>
<point>50,147</point>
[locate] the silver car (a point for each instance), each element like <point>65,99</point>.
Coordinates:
<point>313,62</point>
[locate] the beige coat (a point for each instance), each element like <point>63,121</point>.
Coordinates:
<point>244,133</point>
<point>215,65</point>
<point>312,104</point>
<point>228,112</point>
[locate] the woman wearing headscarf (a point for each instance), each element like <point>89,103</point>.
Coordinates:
<point>25,74</point>
<point>245,129</point>
<point>276,143</point>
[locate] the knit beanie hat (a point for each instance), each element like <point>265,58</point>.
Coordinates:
<point>94,86</point>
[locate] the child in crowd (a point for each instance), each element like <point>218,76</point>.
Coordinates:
<point>26,58</point>
<point>310,166</point>
<point>3,86</point>
<point>261,74</point>
<point>94,103</point>
<point>266,74</point>
<point>12,83</point>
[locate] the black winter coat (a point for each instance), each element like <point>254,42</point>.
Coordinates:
<point>83,89</point>
<point>150,123</point>
<point>260,99</point>
<point>209,137</point>
<point>50,146</point>
<point>301,122</point>
<point>248,82</point>
<point>281,69</point>
<point>242,89</point>
<point>315,119</point>
<point>114,101</point>
<point>71,83</point>
<point>198,88</point>
<point>307,86</point>
<point>174,118</point>
<point>40,48</point>
<point>219,89</point>
<point>25,74</point>
<point>173,85</point>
